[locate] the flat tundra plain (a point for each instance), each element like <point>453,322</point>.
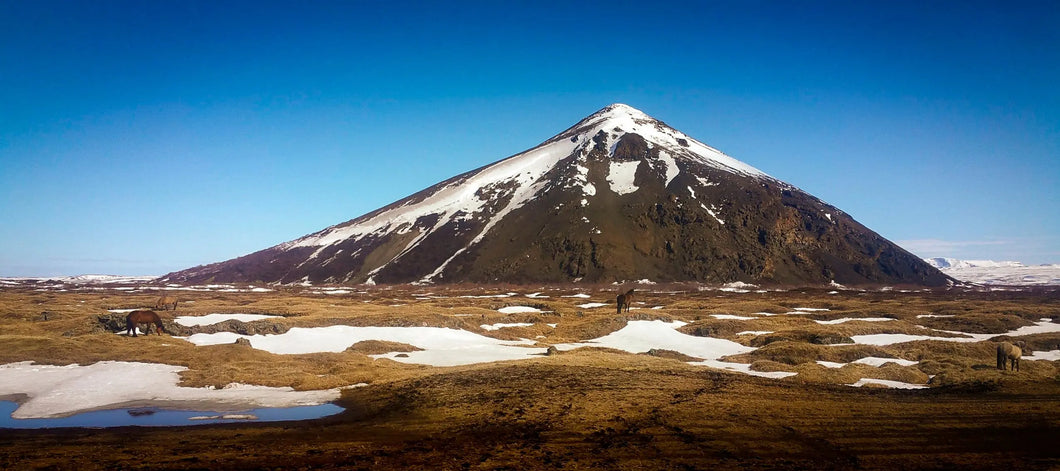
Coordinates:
<point>689,378</point>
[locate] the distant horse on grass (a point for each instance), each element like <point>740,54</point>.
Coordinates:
<point>166,303</point>
<point>147,318</point>
<point>1007,352</point>
<point>624,300</point>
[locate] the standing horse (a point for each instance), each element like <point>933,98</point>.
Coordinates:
<point>143,317</point>
<point>1007,352</point>
<point>624,300</point>
<point>166,303</point>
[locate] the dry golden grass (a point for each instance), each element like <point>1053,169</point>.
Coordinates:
<point>61,328</point>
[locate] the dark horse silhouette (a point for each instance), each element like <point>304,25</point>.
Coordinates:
<point>143,317</point>
<point>624,300</point>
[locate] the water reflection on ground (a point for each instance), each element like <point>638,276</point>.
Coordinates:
<point>158,417</point>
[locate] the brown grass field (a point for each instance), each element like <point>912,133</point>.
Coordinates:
<point>589,408</point>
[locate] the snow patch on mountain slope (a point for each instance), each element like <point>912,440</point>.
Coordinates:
<point>671,168</point>
<point>621,176</point>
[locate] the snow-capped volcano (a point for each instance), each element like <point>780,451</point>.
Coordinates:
<point>618,196</point>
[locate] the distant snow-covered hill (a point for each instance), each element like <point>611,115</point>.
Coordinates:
<point>78,279</point>
<point>989,272</point>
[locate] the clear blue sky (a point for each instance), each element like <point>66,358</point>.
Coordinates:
<point>145,137</point>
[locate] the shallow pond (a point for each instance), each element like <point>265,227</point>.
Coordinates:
<point>159,417</point>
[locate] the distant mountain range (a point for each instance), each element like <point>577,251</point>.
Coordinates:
<point>619,196</point>
<point>989,272</point>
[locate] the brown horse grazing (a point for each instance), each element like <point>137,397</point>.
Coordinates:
<point>624,300</point>
<point>1007,352</point>
<point>136,318</point>
<point>166,303</point>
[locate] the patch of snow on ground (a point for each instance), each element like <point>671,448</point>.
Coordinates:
<point>579,295</point>
<point>441,346</point>
<point>501,325</point>
<point>737,287</point>
<point>1051,355</point>
<point>877,361</point>
<point>641,336</point>
<point>755,332</point>
<point>890,384</point>
<point>56,391</point>
<point>621,176</point>
<point>848,319</point>
<point>731,317</point>
<point>592,305</point>
<point>743,368</point>
<point>517,309</point>
<point>211,319</point>
<point>487,296</point>
<point>1042,327</point>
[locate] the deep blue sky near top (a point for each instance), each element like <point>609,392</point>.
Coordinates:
<point>145,137</point>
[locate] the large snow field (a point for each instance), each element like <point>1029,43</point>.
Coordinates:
<point>441,346</point>
<point>56,391</point>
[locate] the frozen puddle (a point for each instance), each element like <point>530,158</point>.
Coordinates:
<point>159,417</point>
<point>211,319</point>
<point>57,391</point>
<point>441,346</point>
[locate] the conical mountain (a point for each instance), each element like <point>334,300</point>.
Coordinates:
<point>618,196</point>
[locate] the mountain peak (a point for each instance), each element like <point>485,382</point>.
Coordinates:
<point>613,122</point>
<point>618,196</point>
